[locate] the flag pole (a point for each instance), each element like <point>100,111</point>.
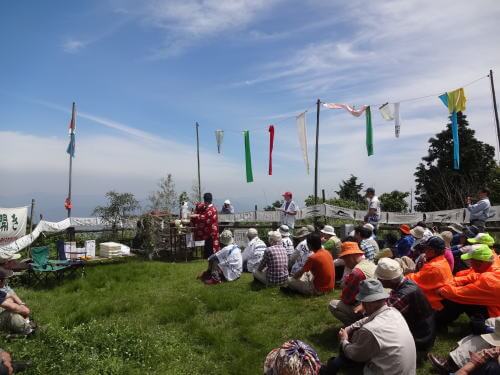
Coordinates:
<point>198,156</point>
<point>495,107</point>
<point>71,163</point>
<point>316,155</point>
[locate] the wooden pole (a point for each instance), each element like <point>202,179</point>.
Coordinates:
<point>198,156</point>
<point>71,164</point>
<point>323,195</point>
<point>316,154</point>
<point>495,109</point>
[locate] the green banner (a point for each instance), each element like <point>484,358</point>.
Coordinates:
<point>248,156</point>
<point>369,132</point>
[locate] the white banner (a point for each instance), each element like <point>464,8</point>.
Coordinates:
<point>12,224</point>
<point>405,218</point>
<point>312,211</point>
<point>445,216</point>
<point>268,216</point>
<point>494,214</point>
<point>240,237</point>
<point>339,212</point>
<point>226,218</point>
<point>245,216</point>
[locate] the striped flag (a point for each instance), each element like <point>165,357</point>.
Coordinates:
<point>71,129</point>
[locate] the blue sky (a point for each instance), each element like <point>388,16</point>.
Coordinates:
<point>143,72</point>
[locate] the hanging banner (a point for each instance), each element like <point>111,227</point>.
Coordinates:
<point>404,218</point>
<point>494,214</point>
<point>219,136</point>
<point>248,157</point>
<point>302,131</point>
<point>12,224</point>
<point>369,132</point>
<point>397,120</point>
<point>226,218</point>
<point>446,216</point>
<point>271,145</point>
<point>269,216</point>
<point>338,212</point>
<point>386,112</point>
<point>347,107</point>
<point>244,216</point>
<point>312,211</point>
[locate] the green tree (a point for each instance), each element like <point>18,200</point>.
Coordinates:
<point>494,186</point>
<point>395,201</point>
<point>274,206</point>
<point>345,203</point>
<point>120,206</point>
<point>439,186</point>
<point>165,198</point>
<point>349,190</point>
<point>183,197</point>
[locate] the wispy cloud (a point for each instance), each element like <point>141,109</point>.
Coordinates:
<point>73,45</point>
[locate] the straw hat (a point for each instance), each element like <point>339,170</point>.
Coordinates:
<point>349,248</point>
<point>301,232</point>
<point>417,232</point>
<point>328,229</point>
<point>388,269</point>
<point>226,237</point>
<point>371,290</point>
<point>493,338</point>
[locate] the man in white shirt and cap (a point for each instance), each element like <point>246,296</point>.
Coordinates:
<point>226,264</point>
<point>286,240</point>
<point>227,208</point>
<point>253,253</point>
<point>288,210</point>
<point>381,343</point>
<point>373,212</point>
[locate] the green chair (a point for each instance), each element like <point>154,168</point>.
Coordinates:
<point>43,268</point>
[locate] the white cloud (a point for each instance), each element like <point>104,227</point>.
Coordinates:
<point>73,45</point>
<point>186,22</point>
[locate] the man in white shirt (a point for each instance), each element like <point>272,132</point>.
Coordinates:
<point>373,213</point>
<point>480,211</point>
<point>288,210</point>
<point>253,253</point>
<point>302,252</point>
<point>286,240</point>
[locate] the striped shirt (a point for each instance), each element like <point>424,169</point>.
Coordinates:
<point>369,248</point>
<point>253,253</point>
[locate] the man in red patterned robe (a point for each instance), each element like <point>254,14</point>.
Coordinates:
<point>206,225</point>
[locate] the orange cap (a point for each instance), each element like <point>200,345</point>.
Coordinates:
<point>405,228</point>
<point>349,248</point>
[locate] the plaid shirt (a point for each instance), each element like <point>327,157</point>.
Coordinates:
<point>351,286</point>
<point>276,261</point>
<point>368,248</point>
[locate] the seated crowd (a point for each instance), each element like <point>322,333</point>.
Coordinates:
<point>393,298</point>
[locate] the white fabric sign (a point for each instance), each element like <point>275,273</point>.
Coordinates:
<point>269,216</point>
<point>245,216</point>
<point>446,216</point>
<point>226,218</point>
<point>312,211</point>
<point>12,224</point>
<point>494,214</point>
<point>302,131</point>
<point>240,237</point>
<point>404,218</point>
<point>339,212</point>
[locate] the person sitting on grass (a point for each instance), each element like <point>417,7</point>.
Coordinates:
<point>320,264</point>
<point>226,264</point>
<point>476,293</point>
<point>379,344</point>
<point>405,243</point>
<point>286,240</point>
<point>410,301</point>
<point>347,309</point>
<point>330,240</point>
<point>435,273</point>
<point>253,253</point>
<point>302,252</point>
<point>464,360</point>
<point>273,269</point>
<point>363,236</point>
<point>15,317</point>
<point>294,357</point>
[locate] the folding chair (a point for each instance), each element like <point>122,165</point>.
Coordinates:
<point>41,268</point>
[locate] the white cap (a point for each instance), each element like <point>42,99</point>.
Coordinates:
<point>328,229</point>
<point>227,201</point>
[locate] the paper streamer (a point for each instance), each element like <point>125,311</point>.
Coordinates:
<point>454,132</point>
<point>369,131</point>
<point>301,128</point>
<point>397,120</point>
<point>271,145</point>
<point>347,107</point>
<point>219,136</point>
<point>248,156</point>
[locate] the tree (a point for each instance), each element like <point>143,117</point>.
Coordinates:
<point>120,206</point>
<point>395,201</point>
<point>274,206</point>
<point>439,187</point>
<point>183,197</point>
<point>345,203</point>
<point>193,196</point>
<point>494,186</point>
<point>350,190</point>
<point>165,198</point>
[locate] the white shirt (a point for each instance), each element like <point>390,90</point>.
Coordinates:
<point>288,245</point>
<point>253,253</point>
<point>374,203</point>
<point>302,252</point>
<point>230,261</point>
<point>289,219</point>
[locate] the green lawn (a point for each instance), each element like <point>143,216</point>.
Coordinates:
<point>156,318</point>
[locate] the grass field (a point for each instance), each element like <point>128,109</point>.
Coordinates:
<point>156,318</point>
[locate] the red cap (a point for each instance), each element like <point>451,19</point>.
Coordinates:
<point>287,194</point>
<point>405,229</point>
